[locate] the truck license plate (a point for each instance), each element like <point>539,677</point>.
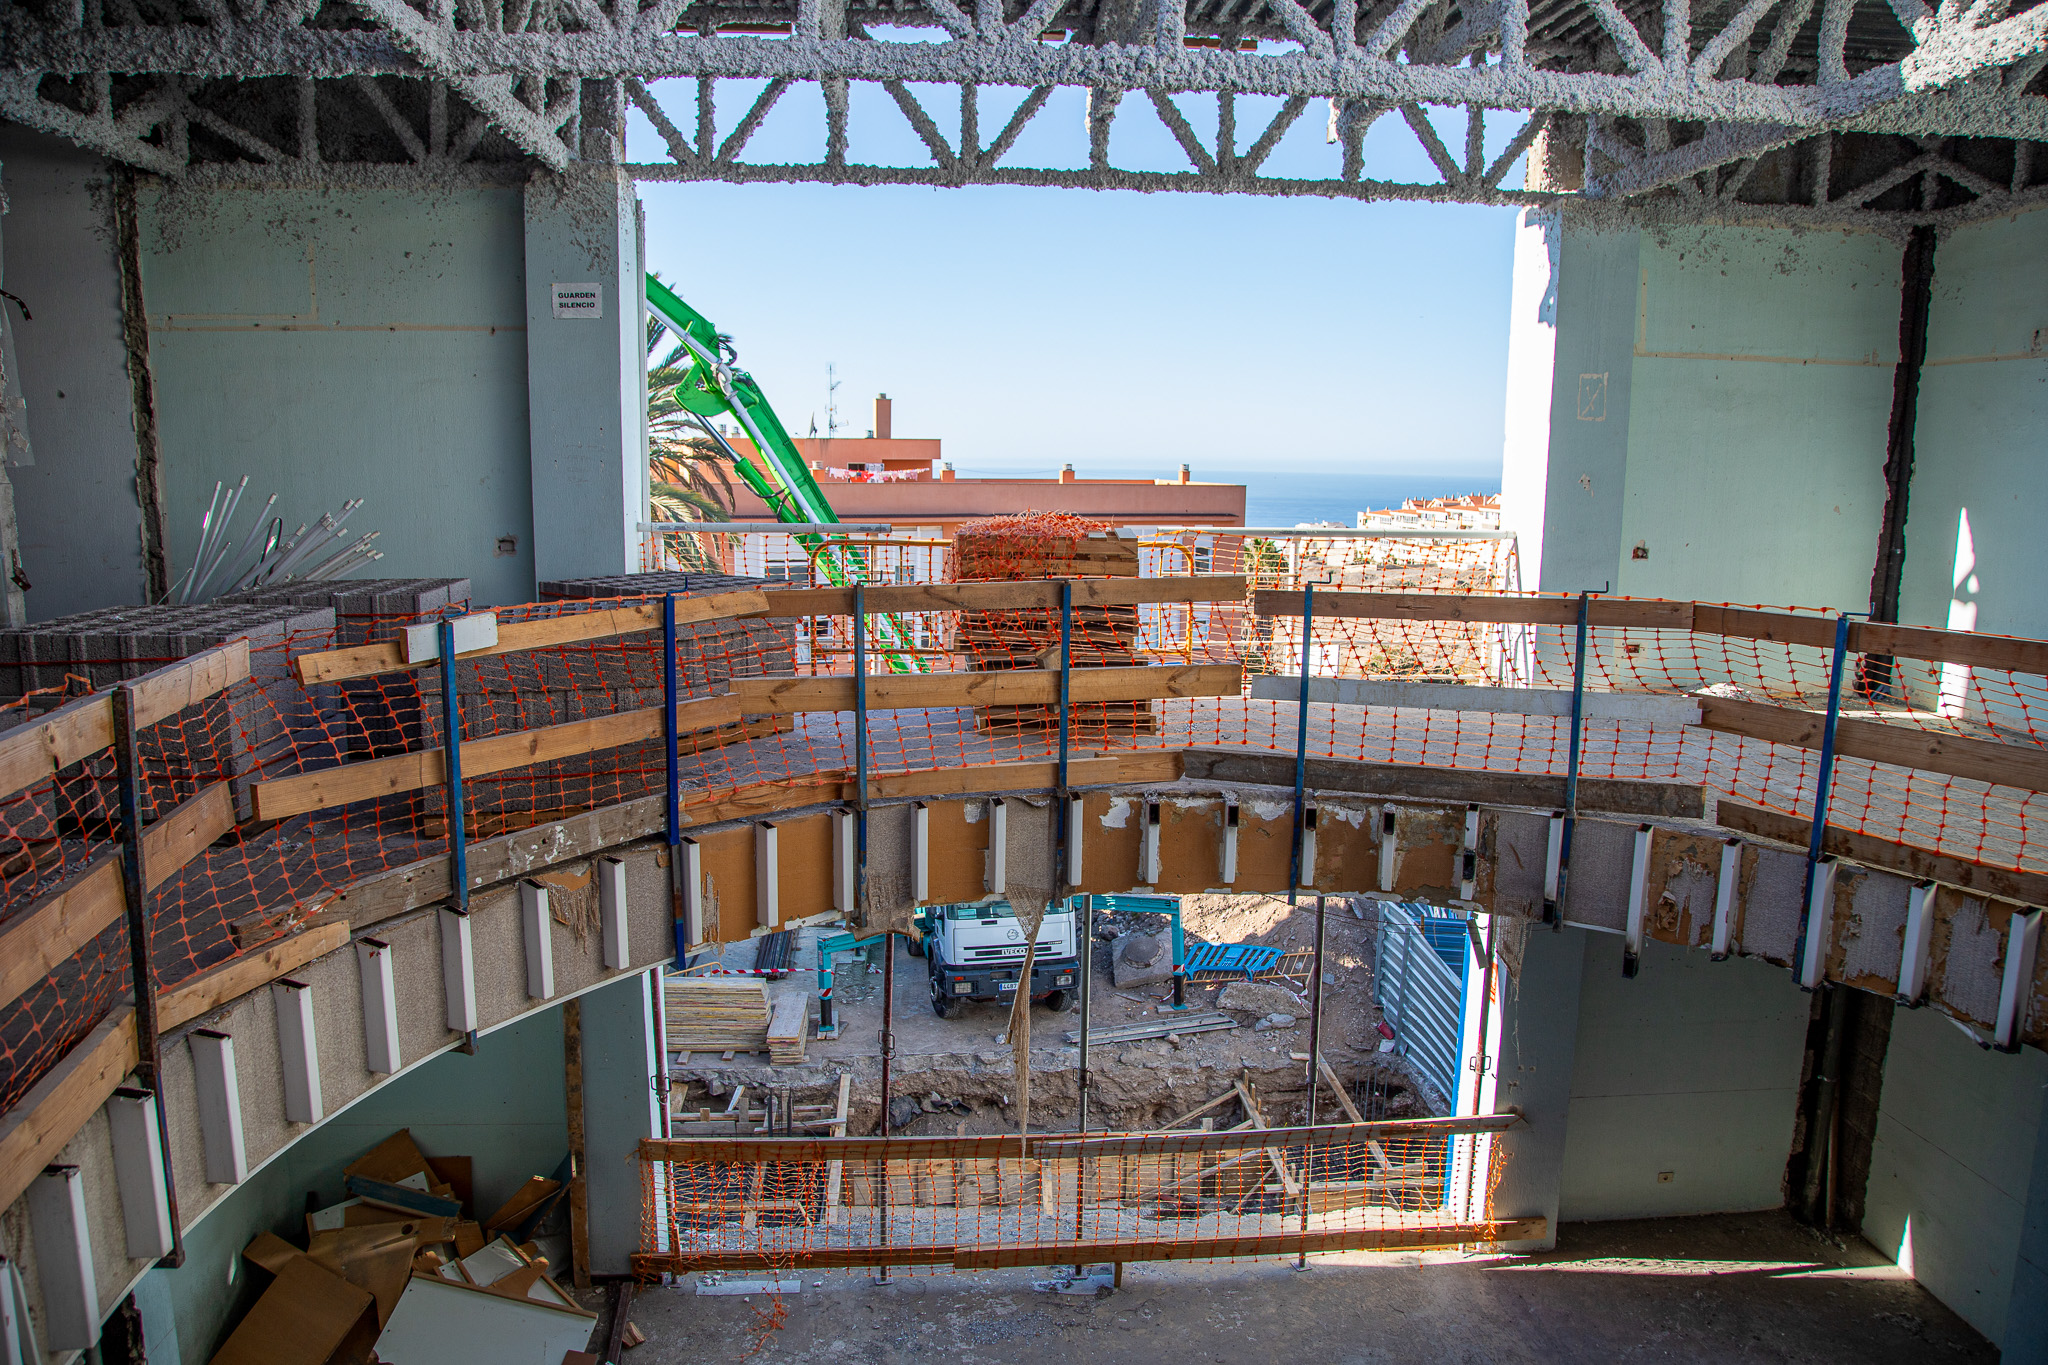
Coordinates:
<point>1006,985</point>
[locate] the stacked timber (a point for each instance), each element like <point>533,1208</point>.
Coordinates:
<point>716,1013</point>
<point>788,1022</point>
<point>1038,547</point>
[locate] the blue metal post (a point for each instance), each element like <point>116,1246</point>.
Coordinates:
<point>860,754</point>
<point>451,739</point>
<point>669,701</point>
<point>458,836</point>
<point>1824,782</point>
<point>1571,772</point>
<point>1308,618</point>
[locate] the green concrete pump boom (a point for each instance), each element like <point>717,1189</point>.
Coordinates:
<point>713,386</point>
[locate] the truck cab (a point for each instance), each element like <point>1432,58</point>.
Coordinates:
<point>975,951</point>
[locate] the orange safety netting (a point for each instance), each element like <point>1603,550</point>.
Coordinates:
<point>260,881</point>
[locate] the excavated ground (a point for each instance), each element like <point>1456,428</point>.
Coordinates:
<point>958,1075</point>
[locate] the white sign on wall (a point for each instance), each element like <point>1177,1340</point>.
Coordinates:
<point>579,300</point>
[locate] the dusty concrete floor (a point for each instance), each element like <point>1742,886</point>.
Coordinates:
<point>1729,1288</point>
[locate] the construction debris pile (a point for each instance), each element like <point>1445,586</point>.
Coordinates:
<point>401,1272</point>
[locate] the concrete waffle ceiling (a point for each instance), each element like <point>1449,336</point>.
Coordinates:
<point>1881,112</point>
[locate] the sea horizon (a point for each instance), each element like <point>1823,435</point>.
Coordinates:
<point>1296,497</point>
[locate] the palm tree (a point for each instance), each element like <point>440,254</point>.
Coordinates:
<point>687,478</point>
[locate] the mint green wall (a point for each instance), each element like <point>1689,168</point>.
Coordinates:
<point>506,1107</point>
<point>1952,1162</point>
<point>1981,443</point>
<point>1719,396</point>
<point>1692,1067</point>
<point>345,344</point>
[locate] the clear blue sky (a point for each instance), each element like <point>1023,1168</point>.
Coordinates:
<point>1125,331</point>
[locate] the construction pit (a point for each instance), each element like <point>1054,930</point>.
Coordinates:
<point>1150,1063</point>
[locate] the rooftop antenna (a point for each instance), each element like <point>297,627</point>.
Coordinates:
<point>831,401</point>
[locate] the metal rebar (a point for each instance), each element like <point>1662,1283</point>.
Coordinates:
<point>142,970</point>
<point>1315,1062</point>
<point>888,1042</point>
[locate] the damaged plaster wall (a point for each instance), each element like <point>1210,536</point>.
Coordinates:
<point>1691,1068</point>
<point>348,343</point>
<point>1952,1165</point>
<point>80,518</point>
<point>1773,351</point>
<point>1973,544</point>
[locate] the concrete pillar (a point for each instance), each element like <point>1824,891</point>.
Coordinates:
<point>1538,1042</point>
<point>1594,292</point>
<point>586,372</point>
<point>620,1107</point>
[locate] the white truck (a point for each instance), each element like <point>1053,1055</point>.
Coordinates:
<point>976,952</point>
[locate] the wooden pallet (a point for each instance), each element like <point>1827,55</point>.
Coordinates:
<point>716,1014</point>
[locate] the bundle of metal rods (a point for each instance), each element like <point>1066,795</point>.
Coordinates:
<point>267,554</point>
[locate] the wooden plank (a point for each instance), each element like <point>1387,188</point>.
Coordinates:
<point>212,989</point>
<point>172,688</point>
<point>1009,687</point>
<point>1142,768</point>
<point>1982,760</point>
<point>1039,595</point>
<point>189,830</point>
<point>1617,796</point>
<point>74,731</point>
<point>2028,888</point>
<point>37,941</point>
<point>338,786</point>
<point>1647,613</point>
<point>1776,627</point>
<point>79,729</point>
<point>1393,1237</point>
<point>806,1258</point>
<point>748,1151</point>
<point>574,627</point>
<point>1950,646</point>
<point>1337,1088</point>
<point>50,1114</point>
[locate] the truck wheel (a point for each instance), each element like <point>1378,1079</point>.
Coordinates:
<point>942,1003</point>
<point>914,946</point>
<point>1057,1001</point>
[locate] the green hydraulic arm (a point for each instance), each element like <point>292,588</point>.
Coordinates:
<point>714,386</point>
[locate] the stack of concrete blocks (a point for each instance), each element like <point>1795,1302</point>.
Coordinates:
<point>387,714</point>
<point>621,673</point>
<point>253,730</point>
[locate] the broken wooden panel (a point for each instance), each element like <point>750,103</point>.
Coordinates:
<point>1112,827</point>
<point>726,857</point>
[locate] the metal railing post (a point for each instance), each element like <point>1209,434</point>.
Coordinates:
<point>1308,618</point>
<point>1555,913</point>
<point>458,833</point>
<point>141,966</point>
<point>1821,792</point>
<point>669,702</point>
<point>860,751</point>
